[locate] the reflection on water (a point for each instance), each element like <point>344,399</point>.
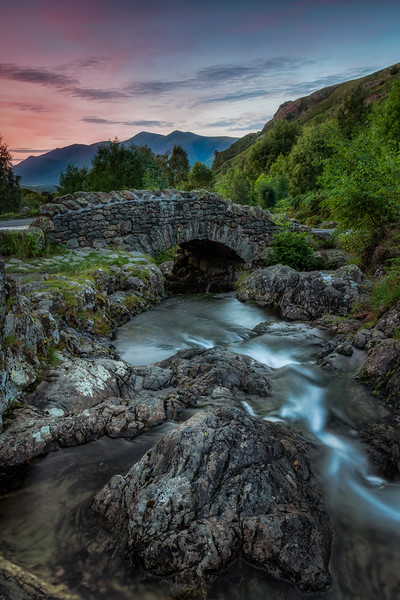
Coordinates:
<point>45,525</point>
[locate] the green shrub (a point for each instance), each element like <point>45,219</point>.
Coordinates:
<point>386,292</point>
<point>268,190</point>
<point>164,256</point>
<point>293,249</point>
<point>20,244</point>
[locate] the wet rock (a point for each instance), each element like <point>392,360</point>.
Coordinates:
<point>382,443</point>
<point>362,338</point>
<point>19,583</point>
<point>327,225</point>
<point>35,433</point>
<point>221,486</point>
<point>23,341</point>
<point>346,349</point>
<point>79,384</point>
<point>155,378</point>
<point>389,323</point>
<point>82,400</point>
<point>382,370</point>
<point>333,258</point>
<point>305,295</point>
<point>199,371</point>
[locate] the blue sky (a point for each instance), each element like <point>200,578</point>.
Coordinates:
<point>91,70</point>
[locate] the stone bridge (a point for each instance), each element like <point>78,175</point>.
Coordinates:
<point>151,222</point>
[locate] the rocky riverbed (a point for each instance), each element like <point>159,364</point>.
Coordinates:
<point>224,485</point>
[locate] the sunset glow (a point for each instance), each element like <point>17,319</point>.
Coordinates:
<point>92,70</point>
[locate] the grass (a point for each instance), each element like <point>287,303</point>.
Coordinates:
<point>26,244</point>
<point>386,292</point>
<point>164,256</point>
<point>12,215</point>
<point>20,244</point>
<point>131,302</point>
<point>11,341</point>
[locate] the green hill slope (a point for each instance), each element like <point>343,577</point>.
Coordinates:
<point>318,106</point>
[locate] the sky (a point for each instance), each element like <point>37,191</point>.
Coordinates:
<point>84,71</point>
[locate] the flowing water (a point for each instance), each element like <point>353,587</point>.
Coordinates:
<point>45,525</point>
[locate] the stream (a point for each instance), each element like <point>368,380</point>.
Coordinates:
<point>46,527</point>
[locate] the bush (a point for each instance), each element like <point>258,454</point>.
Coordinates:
<point>293,249</point>
<point>386,291</point>
<point>20,244</point>
<point>362,179</point>
<point>268,190</point>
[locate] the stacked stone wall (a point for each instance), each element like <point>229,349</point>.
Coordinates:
<point>152,222</point>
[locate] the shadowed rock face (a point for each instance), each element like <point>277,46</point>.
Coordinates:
<point>201,266</point>
<point>304,295</point>
<point>222,485</point>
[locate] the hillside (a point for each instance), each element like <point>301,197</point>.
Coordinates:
<point>318,106</point>
<point>46,168</point>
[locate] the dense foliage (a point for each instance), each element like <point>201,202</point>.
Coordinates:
<point>345,167</point>
<point>116,166</point>
<point>292,249</point>
<point>10,193</point>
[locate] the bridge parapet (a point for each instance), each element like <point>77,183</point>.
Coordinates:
<point>152,222</point>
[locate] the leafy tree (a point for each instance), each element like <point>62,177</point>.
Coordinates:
<point>155,169</point>
<point>305,162</point>
<point>10,193</point>
<point>200,176</point>
<point>178,165</point>
<point>237,187</point>
<point>386,117</point>
<point>278,140</point>
<point>155,177</point>
<point>116,167</point>
<point>73,180</point>
<point>363,182</point>
<point>269,189</point>
<point>353,112</point>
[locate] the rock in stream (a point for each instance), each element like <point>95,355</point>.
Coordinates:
<point>222,485</point>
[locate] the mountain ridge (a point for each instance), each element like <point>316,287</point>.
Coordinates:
<point>45,169</point>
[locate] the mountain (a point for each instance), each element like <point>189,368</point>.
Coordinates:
<point>44,170</point>
<point>318,106</point>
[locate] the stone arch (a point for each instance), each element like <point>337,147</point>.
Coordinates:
<point>219,233</point>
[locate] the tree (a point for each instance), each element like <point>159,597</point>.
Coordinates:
<point>363,182</point>
<point>305,161</point>
<point>10,193</point>
<point>237,187</point>
<point>278,140</point>
<point>116,167</point>
<point>73,180</point>
<point>268,189</point>
<point>178,166</point>
<point>200,177</point>
<point>353,112</point>
<point>386,117</point>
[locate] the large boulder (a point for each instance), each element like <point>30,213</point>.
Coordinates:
<point>304,295</point>
<point>221,486</point>
<point>79,384</point>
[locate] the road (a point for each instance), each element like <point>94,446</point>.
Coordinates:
<point>15,224</point>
